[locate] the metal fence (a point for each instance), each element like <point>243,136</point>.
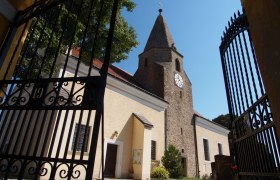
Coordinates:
<point>50,103</point>
<point>255,144</point>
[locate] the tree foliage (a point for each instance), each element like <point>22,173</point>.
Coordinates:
<point>172,161</point>
<point>73,24</point>
<point>223,120</point>
<point>160,172</point>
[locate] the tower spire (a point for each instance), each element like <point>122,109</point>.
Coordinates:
<point>160,36</point>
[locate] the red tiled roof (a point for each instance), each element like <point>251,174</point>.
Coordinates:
<point>75,52</point>
<point>113,70</point>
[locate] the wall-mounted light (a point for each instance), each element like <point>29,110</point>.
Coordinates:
<point>115,134</point>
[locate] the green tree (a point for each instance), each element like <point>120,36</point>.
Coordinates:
<point>172,161</point>
<point>71,25</point>
<point>223,120</point>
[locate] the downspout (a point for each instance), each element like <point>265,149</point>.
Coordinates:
<point>165,129</point>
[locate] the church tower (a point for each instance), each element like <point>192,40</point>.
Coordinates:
<point>160,71</point>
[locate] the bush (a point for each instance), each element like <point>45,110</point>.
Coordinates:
<point>172,161</point>
<point>205,177</point>
<point>160,172</point>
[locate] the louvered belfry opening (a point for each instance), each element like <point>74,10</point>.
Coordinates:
<point>51,104</point>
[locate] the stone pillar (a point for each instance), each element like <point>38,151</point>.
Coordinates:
<point>4,28</point>
<point>8,11</point>
<point>264,18</point>
<point>7,14</point>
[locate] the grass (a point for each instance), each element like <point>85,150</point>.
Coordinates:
<point>186,178</point>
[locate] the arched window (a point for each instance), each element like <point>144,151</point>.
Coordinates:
<point>146,62</point>
<point>177,65</point>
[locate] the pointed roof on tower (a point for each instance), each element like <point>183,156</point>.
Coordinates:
<point>160,36</point>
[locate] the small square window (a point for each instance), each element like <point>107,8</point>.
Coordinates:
<point>82,138</point>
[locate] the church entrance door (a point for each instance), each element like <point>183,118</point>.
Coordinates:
<point>110,162</point>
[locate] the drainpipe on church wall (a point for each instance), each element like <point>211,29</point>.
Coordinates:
<point>165,129</point>
<point>264,17</point>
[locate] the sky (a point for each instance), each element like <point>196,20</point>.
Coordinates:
<point>196,27</point>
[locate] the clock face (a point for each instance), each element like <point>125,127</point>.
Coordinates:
<point>179,80</point>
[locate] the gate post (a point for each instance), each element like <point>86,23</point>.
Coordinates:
<point>6,21</point>
<point>264,18</point>
<point>10,36</point>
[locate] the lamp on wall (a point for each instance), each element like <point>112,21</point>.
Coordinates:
<point>115,134</point>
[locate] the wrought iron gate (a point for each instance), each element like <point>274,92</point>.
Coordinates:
<point>50,103</point>
<point>255,144</point>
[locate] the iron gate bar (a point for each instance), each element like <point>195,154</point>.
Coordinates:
<point>242,76</point>
<point>242,107</point>
<point>49,42</point>
<point>237,84</point>
<point>84,36</point>
<point>255,132</point>
<point>230,88</point>
<point>71,43</point>
<point>250,68</point>
<point>23,17</point>
<point>95,38</point>
<point>100,109</point>
<point>240,24</point>
<point>246,71</point>
<point>64,26</point>
<point>255,147</point>
<point>260,174</point>
<point>36,9</point>
<point>35,111</point>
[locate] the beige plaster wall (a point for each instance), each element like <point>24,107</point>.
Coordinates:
<point>146,167</point>
<point>213,138</point>
<point>118,115</point>
<point>137,145</point>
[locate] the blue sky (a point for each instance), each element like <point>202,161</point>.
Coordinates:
<point>196,27</point>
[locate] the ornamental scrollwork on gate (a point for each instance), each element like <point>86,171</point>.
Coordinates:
<point>31,169</point>
<point>47,94</point>
<point>256,117</point>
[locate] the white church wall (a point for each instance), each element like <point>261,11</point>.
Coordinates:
<point>213,134</point>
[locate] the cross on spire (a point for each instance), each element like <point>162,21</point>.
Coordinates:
<point>160,7</point>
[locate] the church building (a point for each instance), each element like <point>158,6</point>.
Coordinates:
<point>143,114</point>
<point>147,111</point>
